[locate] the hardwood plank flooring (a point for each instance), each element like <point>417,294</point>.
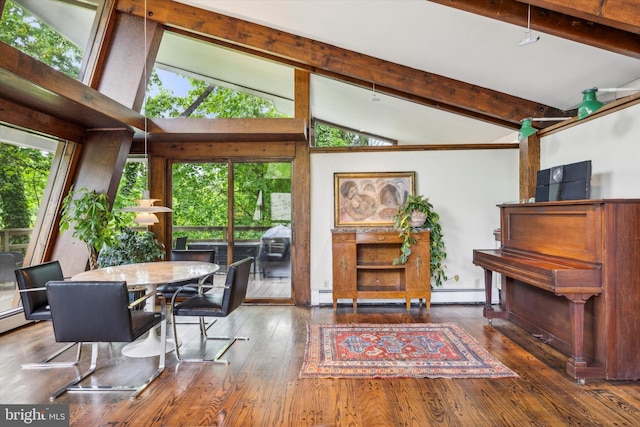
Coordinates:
<point>261,386</point>
<point>266,287</point>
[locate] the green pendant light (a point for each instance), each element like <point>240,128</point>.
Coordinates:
<point>526,129</point>
<point>590,103</point>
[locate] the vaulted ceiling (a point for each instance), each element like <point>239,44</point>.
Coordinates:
<point>445,72</point>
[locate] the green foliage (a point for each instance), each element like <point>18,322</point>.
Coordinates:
<point>221,102</point>
<point>437,247</point>
<point>25,171</point>
<point>200,193</point>
<point>23,178</point>
<point>28,34</point>
<point>132,184</point>
<point>328,136</point>
<point>131,247</point>
<point>92,219</point>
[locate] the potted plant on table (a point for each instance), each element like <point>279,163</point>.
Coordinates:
<point>416,213</point>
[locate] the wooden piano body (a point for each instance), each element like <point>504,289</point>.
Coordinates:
<point>571,275</point>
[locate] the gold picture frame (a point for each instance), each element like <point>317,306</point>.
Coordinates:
<point>370,199</point>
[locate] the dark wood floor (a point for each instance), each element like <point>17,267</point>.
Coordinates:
<point>261,386</point>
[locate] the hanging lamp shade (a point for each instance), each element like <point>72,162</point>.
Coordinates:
<point>590,103</point>
<point>146,218</point>
<point>526,129</point>
<point>145,210</point>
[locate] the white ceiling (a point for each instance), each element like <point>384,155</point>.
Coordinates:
<point>414,33</point>
<point>439,40</point>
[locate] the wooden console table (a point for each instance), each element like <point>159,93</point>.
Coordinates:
<point>363,266</point>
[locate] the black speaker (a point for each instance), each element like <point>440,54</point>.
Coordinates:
<point>543,178</point>
<point>576,184</point>
<point>564,182</point>
<point>557,174</point>
<point>577,171</point>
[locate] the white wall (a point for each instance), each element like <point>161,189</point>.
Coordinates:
<point>466,186</point>
<point>611,142</point>
<point>463,186</point>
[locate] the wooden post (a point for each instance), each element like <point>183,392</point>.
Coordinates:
<point>529,166</point>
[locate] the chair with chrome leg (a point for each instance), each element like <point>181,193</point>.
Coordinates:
<point>209,303</point>
<point>169,289</point>
<point>31,281</point>
<point>95,312</point>
<point>190,287</point>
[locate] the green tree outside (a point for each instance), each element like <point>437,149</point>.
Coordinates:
<point>23,177</point>
<point>27,33</point>
<point>328,136</point>
<point>200,193</point>
<point>196,185</point>
<point>25,171</point>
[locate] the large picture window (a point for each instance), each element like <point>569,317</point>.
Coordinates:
<point>26,165</point>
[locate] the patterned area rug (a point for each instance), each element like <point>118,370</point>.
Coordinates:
<point>421,350</point>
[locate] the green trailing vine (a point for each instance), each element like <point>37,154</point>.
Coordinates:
<point>437,248</point>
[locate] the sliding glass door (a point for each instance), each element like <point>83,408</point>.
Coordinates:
<point>257,196</point>
<point>262,225</point>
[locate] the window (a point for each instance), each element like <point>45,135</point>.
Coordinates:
<point>212,81</point>
<point>331,135</point>
<point>27,32</point>
<point>26,165</point>
<point>174,95</point>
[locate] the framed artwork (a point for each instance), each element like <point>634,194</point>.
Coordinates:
<point>370,199</point>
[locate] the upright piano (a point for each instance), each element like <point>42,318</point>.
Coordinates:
<point>571,275</point>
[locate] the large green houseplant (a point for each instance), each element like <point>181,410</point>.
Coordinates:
<point>404,221</point>
<point>104,231</point>
<point>92,219</point>
<point>131,247</point>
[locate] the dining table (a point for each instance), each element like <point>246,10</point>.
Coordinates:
<point>149,275</point>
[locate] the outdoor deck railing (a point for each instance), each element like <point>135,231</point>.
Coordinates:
<point>8,237</point>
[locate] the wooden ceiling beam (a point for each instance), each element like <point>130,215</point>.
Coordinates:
<point>232,130</point>
<point>621,14</point>
<point>35,121</point>
<point>35,85</point>
<point>409,83</point>
<point>612,25</point>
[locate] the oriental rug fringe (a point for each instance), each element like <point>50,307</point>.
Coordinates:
<point>421,350</point>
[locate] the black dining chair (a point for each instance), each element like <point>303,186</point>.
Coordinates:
<point>189,288</point>
<point>31,281</point>
<point>181,243</point>
<point>95,312</point>
<point>209,303</point>
<point>274,253</point>
<point>8,265</point>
